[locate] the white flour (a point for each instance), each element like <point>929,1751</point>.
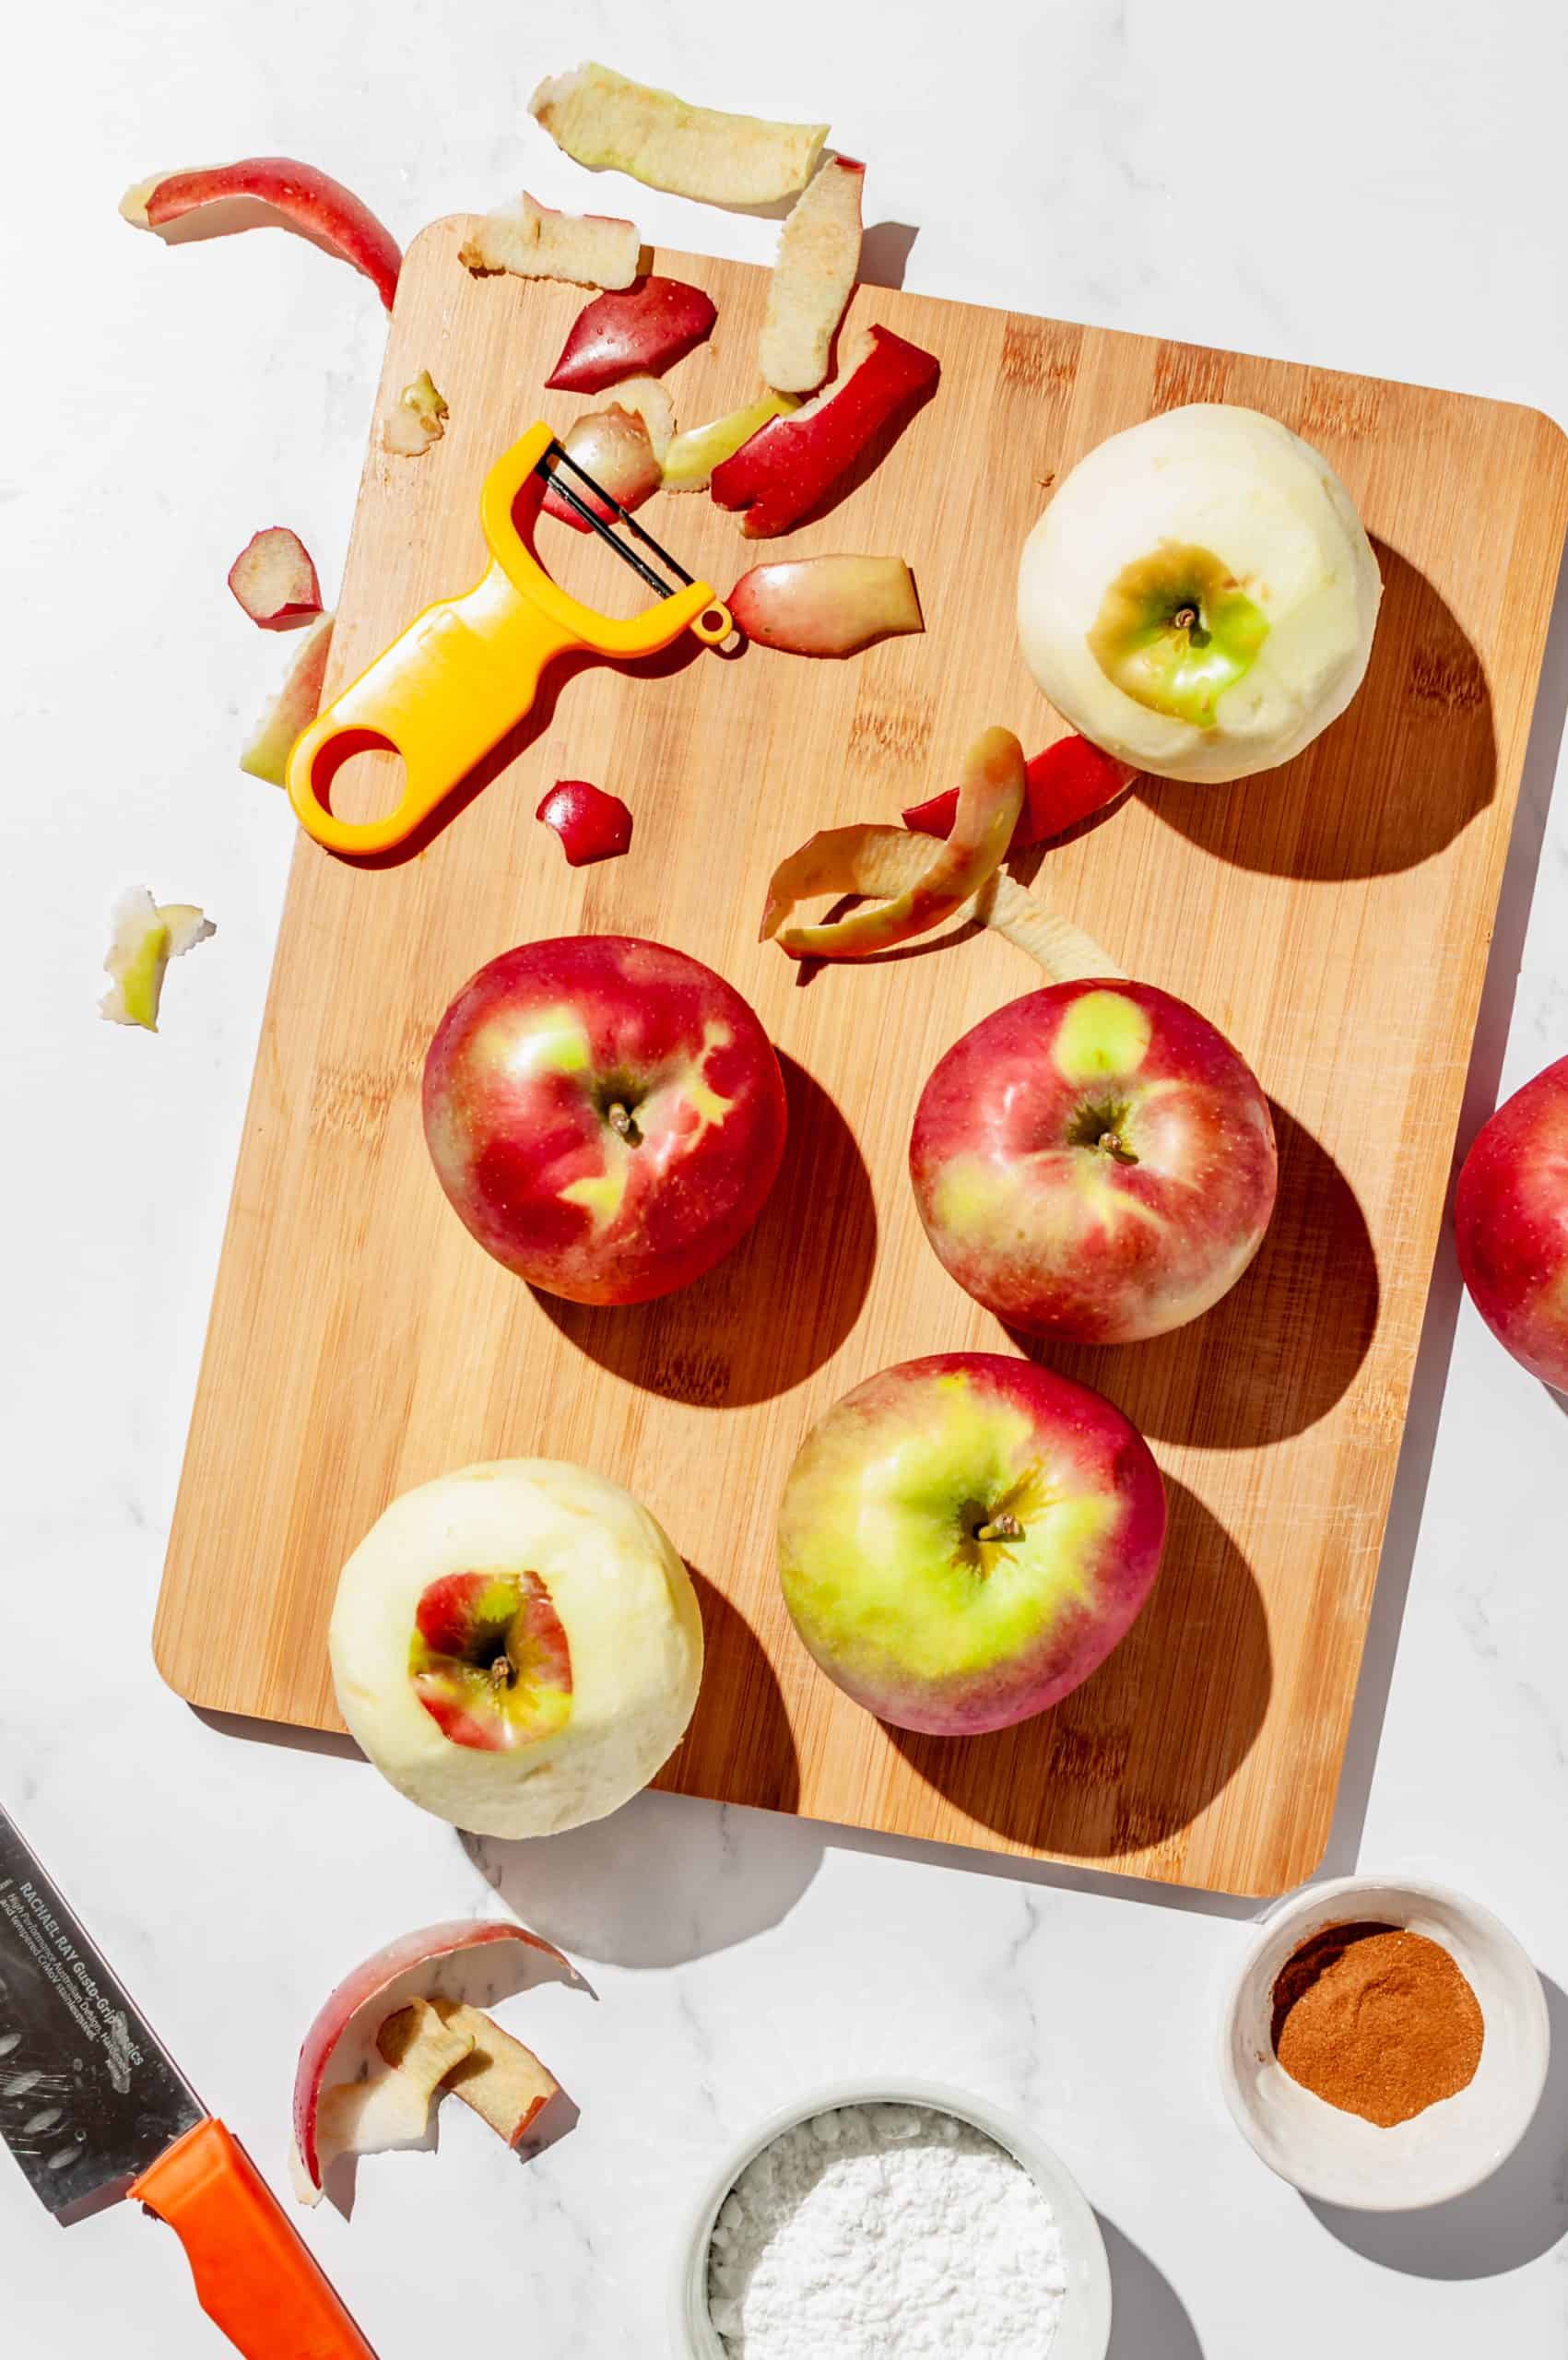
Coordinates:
<point>885,2233</point>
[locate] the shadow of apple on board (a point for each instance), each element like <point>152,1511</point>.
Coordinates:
<point>1395,778</point>
<point>776,1307</point>
<point>616,1891</point>
<point>1127,1761</point>
<point>1276,1353</point>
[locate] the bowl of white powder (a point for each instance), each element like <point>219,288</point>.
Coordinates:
<point>882,2224</point>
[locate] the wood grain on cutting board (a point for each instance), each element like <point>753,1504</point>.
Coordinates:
<point>1333,918</point>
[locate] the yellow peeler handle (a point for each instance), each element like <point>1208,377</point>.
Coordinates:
<point>467,669</point>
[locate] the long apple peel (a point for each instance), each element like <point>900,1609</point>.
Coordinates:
<point>370,1992</point>
<point>322,208</point>
<point>923,886</point>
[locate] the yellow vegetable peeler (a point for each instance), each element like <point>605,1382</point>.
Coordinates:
<point>466,670</point>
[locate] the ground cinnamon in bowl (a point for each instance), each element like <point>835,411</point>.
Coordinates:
<point>1377,2020</point>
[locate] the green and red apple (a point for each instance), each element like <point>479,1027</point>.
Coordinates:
<point>606,1115</point>
<point>1511,1224</point>
<point>1199,597</point>
<point>516,1646</point>
<point>963,1539</point>
<point>1094,1163</point>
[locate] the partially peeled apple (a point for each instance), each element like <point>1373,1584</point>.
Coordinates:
<point>516,1646</point>
<point>1200,596</point>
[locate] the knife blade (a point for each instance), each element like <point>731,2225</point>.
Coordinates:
<point>93,2106</point>
<point>88,2095</point>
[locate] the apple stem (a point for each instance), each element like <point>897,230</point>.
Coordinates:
<point>619,1120</point>
<point>501,1672</point>
<point>1184,617</point>
<point>1067,955</point>
<point>1001,1527</point>
<point>1109,1144</point>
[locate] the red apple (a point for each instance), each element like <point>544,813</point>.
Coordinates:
<point>1511,1225</point>
<point>414,1967</point>
<point>1094,1163</point>
<point>963,1539</point>
<point>630,330</point>
<point>791,465</point>
<point>327,213</point>
<point>606,1115</point>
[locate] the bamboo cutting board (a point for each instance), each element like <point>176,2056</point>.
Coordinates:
<point>1333,918</point>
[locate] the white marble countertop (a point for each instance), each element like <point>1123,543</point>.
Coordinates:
<point>1378,188</point>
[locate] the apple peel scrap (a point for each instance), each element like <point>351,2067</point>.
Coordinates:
<point>275,580</point>
<point>322,207</point>
<point>826,606</point>
<point>391,2108</point>
<point>591,824</point>
<point>417,419</point>
<point>609,124</point>
<point>789,466</point>
<point>147,934</point>
<point>692,457</point>
<point>504,2083</point>
<point>813,277</point>
<point>292,710</point>
<point>533,240</point>
<point>923,886</point>
<point>347,2025</point>
<point>644,327</point>
<point>615,447</point>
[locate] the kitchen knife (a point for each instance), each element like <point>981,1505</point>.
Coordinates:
<point>93,2107</point>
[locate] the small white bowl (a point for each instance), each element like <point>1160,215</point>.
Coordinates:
<point>1083,2332</point>
<point>1441,2153</point>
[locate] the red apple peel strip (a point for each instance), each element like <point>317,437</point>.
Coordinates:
<point>630,330</point>
<point>617,450</point>
<point>273,579</point>
<point>923,888</point>
<point>813,278</point>
<point>390,2108</point>
<point>791,465</point>
<point>312,200</point>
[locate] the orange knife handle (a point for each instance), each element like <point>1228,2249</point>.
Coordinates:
<point>255,2277</point>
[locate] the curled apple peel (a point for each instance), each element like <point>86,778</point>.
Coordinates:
<point>533,241</point>
<point>390,2108</point>
<point>609,124</point>
<point>923,888</point>
<point>1068,782</point>
<point>412,1968</point>
<point>327,213</point>
<point>813,278</point>
<point>275,581</point>
<point>642,327</point>
<point>826,606</point>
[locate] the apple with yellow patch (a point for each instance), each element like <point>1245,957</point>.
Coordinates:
<point>963,1539</point>
<point>605,1114</point>
<point>516,1646</point>
<point>1094,1163</point>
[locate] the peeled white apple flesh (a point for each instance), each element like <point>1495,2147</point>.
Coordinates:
<point>1199,597</point>
<point>516,1646</point>
<point>533,240</point>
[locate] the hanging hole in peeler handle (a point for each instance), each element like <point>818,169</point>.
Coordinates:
<point>714,624</point>
<point>359,785</point>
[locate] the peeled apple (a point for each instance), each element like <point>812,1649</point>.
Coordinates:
<point>1200,596</point>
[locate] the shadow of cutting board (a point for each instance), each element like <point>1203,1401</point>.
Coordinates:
<point>1333,918</point>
